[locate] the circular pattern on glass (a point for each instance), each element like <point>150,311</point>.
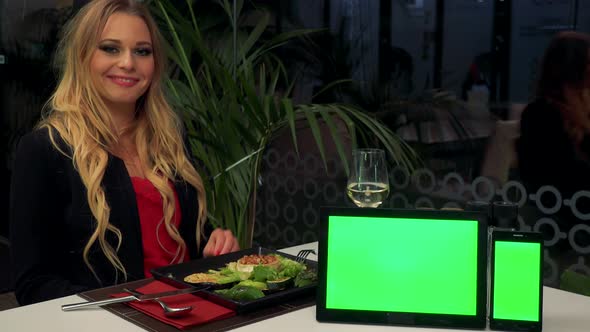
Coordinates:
<point>427,176</point>
<point>291,185</point>
<point>580,267</point>
<point>400,177</point>
<point>273,232</point>
<point>399,201</point>
<point>573,204</point>
<point>272,158</point>
<point>424,203</point>
<point>522,226</point>
<point>446,183</point>
<point>540,205</point>
<point>272,209</point>
<point>581,249</point>
<point>258,229</point>
<point>452,206</point>
<point>310,216</point>
<point>310,188</point>
<point>489,189</point>
<point>290,213</point>
<point>310,164</point>
<point>519,188</point>
<point>550,269</point>
<point>330,192</point>
<point>333,167</point>
<point>291,160</point>
<point>272,182</point>
<point>290,235</point>
<point>556,233</point>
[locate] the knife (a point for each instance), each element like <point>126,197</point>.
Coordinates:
<point>75,306</point>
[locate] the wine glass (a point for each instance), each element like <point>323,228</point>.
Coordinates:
<point>368,183</point>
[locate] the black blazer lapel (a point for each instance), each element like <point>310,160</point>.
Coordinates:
<point>187,197</point>
<point>124,216</point>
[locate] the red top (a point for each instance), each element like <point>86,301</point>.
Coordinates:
<point>150,209</point>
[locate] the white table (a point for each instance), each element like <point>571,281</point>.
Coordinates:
<point>562,311</point>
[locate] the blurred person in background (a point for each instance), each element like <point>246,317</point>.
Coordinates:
<point>554,144</point>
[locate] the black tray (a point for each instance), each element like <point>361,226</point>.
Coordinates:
<point>174,275</point>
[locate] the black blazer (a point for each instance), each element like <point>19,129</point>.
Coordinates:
<point>50,223</point>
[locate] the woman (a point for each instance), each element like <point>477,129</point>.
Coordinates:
<point>554,147</point>
<point>104,190</point>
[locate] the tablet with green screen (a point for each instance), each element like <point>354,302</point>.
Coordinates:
<point>408,267</point>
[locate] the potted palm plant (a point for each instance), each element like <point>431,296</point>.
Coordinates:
<point>233,94</point>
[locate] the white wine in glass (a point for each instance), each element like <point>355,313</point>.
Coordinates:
<point>368,183</point>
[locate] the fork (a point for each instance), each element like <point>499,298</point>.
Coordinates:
<point>168,311</point>
<point>302,255</point>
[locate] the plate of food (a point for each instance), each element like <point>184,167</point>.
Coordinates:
<point>245,280</point>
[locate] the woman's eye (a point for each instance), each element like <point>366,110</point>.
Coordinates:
<point>143,51</point>
<point>108,49</point>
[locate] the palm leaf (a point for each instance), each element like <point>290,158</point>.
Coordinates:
<point>324,112</point>
<point>315,131</point>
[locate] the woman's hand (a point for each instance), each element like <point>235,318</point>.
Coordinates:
<point>221,242</point>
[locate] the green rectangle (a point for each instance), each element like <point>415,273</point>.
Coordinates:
<point>402,265</point>
<point>517,278</point>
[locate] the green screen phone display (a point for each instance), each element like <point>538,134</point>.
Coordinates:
<point>517,278</point>
<point>402,265</point>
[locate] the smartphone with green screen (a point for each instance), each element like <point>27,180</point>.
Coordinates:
<point>517,281</point>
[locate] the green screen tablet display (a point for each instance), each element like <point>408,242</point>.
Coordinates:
<point>402,265</point>
<point>516,281</point>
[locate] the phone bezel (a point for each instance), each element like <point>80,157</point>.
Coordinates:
<point>508,324</point>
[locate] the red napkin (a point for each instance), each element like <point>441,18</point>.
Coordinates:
<point>203,310</point>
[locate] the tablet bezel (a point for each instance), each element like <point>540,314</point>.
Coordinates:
<point>478,320</point>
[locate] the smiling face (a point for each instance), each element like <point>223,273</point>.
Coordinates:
<point>122,65</point>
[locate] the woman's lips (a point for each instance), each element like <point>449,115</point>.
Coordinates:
<point>123,81</point>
